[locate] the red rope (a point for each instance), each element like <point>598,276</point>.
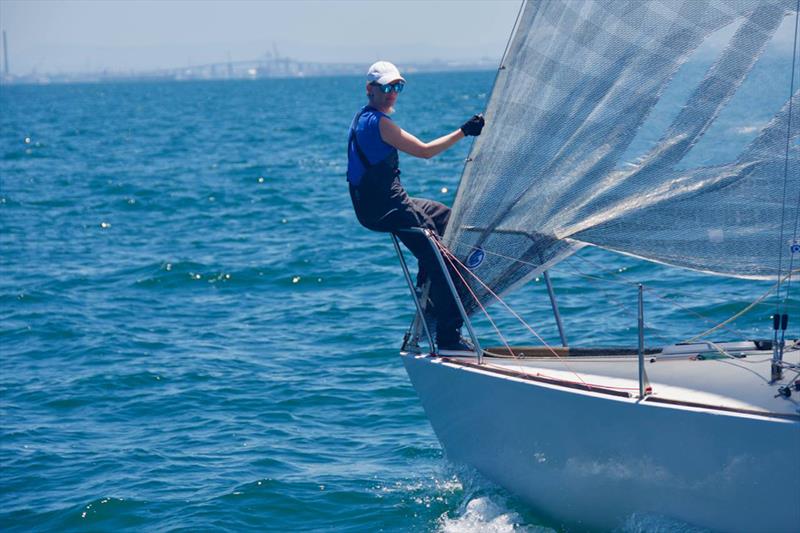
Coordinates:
<point>448,256</point>
<point>451,257</point>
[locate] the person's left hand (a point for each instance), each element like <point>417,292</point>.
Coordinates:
<point>474,126</point>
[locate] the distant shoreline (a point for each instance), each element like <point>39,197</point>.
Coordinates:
<point>241,70</point>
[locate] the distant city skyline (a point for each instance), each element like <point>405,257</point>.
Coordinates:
<point>86,36</point>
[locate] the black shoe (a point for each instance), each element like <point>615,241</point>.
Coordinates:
<point>458,347</point>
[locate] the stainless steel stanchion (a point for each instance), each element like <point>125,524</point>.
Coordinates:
<point>431,239</point>
<point>413,291</point>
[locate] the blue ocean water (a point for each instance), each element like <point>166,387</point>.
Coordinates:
<point>197,335</point>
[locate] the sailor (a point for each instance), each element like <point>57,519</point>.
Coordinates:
<point>382,204</point>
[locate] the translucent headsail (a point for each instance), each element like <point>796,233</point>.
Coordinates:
<point>657,129</point>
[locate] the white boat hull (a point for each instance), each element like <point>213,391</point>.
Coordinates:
<point>590,461</point>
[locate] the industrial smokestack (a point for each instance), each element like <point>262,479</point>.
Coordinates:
<point>5,54</point>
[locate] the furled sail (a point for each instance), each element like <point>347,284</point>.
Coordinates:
<point>620,125</point>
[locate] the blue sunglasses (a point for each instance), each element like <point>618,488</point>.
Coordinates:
<point>389,87</point>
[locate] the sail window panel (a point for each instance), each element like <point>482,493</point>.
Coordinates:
<point>677,90</point>
<point>757,100</point>
<point>702,107</point>
<point>565,134</point>
<point>729,226</point>
<point>723,79</point>
<point>608,36</point>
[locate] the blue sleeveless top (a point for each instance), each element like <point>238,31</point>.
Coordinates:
<point>369,139</point>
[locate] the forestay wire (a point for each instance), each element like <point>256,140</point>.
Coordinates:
<point>511,35</point>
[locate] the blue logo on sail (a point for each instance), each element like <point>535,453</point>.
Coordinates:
<point>475,258</point>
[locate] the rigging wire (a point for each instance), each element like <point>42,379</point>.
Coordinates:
<point>786,174</point>
<point>625,308</point>
<point>450,255</point>
<point>511,35</point>
<point>788,139</point>
<point>745,310</point>
<point>786,171</point>
<point>632,284</point>
<point>502,302</point>
<point>455,263</point>
<point>502,67</point>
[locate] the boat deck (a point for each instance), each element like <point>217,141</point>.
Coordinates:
<point>693,376</point>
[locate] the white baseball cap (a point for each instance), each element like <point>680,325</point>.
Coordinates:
<point>383,72</point>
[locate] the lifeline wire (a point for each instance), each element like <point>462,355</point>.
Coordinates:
<point>522,321</point>
<point>656,294</point>
<point>713,345</point>
<point>449,254</point>
<point>617,281</point>
<point>721,325</point>
<point>619,305</point>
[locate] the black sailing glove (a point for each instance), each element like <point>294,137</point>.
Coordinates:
<point>473,126</point>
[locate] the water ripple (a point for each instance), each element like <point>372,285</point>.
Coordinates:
<point>197,335</point>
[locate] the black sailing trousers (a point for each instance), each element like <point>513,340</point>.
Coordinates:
<point>402,212</point>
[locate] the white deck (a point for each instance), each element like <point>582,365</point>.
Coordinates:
<point>739,383</point>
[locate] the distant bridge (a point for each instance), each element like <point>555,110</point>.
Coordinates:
<point>269,67</point>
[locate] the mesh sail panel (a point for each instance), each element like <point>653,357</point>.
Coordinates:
<point>656,129</point>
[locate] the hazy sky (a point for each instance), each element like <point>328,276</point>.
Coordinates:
<point>60,36</point>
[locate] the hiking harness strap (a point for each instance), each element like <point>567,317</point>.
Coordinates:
<point>354,142</point>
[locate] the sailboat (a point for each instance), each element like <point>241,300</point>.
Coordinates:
<point>704,432</point>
